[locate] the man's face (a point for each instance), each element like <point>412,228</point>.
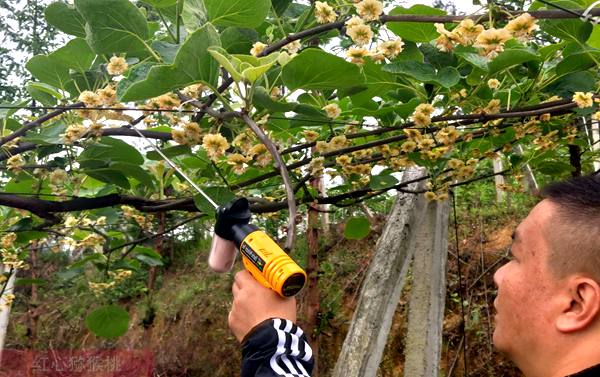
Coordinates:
<point>526,288</point>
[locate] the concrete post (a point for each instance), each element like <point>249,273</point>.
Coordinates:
<point>498,179</point>
<point>528,178</point>
<point>364,345</point>
<point>5,309</point>
<point>428,293</point>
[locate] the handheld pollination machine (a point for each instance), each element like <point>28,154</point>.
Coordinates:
<point>262,257</point>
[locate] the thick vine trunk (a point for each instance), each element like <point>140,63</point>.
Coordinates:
<point>312,304</point>
<point>575,159</point>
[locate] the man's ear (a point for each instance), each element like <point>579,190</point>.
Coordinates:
<point>580,305</point>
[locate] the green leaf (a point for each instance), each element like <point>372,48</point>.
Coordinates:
<point>471,56</point>
<point>114,26</point>
<point>242,13</point>
<point>594,39</point>
<point>554,167</point>
<point>76,54</point>
<point>50,134</point>
<point>316,69</point>
<point>108,321</point>
<point>49,71</point>
<point>44,93</point>
<point>570,83</point>
<point>511,57</point>
<point>357,228</point>
<point>573,30</point>
<point>578,62</point>
<point>238,40</point>
<point>148,256</point>
<point>229,62</point>
<point>65,18</point>
<point>446,77</point>
<point>280,6</point>
<point>415,31</point>
<point>109,176</point>
<point>161,3</point>
<point>193,14</point>
<point>110,149</point>
<point>134,171</point>
<point>170,152</point>
<point>220,195</point>
<point>166,50</point>
<point>379,182</point>
<point>192,64</point>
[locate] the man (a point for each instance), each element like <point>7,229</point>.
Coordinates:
<point>548,304</point>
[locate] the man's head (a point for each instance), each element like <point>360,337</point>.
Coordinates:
<point>548,300</point>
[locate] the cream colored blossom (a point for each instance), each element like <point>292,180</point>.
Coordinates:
<point>369,10</point>
<point>425,108</point>
<point>408,146</point>
<point>215,145</point>
<point>468,31</point>
<point>360,34</point>
<point>293,47</point>
<point>324,13</point>
<point>493,83</point>
<point>58,177</point>
<point>491,41</point>
<point>90,99</point>
<point>357,54</point>
<point>493,107</point>
<point>243,141</point>
<point>316,166</point>
<point>258,48</point>
<point>522,27</point>
<point>391,49</point>
<point>343,160</point>
<point>237,162</point>
<point>310,135</point>
<point>583,100</point>
<point>73,133</point>
<point>337,142</point>
<point>116,66</point>
<point>8,240</point>
<point>426,143</point>
<point>108,95</point>
<point>193,91</point>
<point>333,110</point>
<point>15,163</point>
<point>167,101</point>
<point>354,21</point>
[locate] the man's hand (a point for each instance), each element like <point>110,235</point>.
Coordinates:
<point>253,303</point>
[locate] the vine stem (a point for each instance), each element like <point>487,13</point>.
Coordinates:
<point>280,164</point>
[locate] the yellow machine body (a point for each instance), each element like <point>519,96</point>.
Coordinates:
<point>270,265</point>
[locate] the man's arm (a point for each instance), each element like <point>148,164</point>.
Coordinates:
<point>264,323</point>
<point>276,347</point>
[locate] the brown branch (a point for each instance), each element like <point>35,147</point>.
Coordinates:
<point>285,175</point>
<point>152,236</point>
<point>38,122</point>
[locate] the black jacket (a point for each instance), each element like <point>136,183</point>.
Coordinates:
<point>276,347</point>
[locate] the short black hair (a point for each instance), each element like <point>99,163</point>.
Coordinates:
<point>580,195</point>
<point>574,232</point>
